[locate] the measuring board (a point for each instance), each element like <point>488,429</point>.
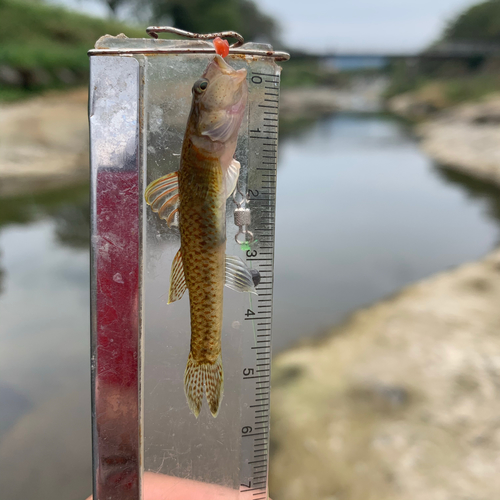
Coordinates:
<point>139,108</point>
<point>256,374</point>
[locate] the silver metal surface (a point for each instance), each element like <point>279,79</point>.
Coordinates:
<point>115,277</point>
<point>276,55</point>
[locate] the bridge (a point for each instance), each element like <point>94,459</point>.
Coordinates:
<point>463,50</point>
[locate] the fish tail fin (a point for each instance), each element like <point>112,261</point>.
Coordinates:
<point>204,375</point>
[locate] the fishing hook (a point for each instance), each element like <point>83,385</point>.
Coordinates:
<point>153,31</point>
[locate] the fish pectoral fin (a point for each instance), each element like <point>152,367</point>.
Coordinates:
<point>231,177</point>
<point>177,281</point>
<point>163,195</point>
<point>172,220</point>
<point>238,276</point>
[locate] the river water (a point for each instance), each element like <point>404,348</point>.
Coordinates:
<point>361,213</point>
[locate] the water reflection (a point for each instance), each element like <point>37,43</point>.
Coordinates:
<point>361,213</point>
<point>44,339</point>
<point>474,189</point>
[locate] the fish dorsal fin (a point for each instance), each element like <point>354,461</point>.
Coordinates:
<point>238,276</point>
<point>231,177</point>
<point>177,281</point>
<point>163,195</point>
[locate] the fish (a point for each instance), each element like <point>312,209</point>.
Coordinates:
<point>194,198</point>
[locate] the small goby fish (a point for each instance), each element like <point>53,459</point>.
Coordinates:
<point>207,176</point>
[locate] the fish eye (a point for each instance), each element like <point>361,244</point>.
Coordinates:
<point>200,86</point>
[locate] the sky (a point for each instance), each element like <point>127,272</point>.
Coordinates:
<point>381,26</point>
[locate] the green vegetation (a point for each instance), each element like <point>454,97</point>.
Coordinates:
<point>43,46</point>
<point>443,83</point>
<point>479,23</point>
<point>47,46</point>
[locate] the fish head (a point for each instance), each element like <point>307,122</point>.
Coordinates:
<point>219,100</point>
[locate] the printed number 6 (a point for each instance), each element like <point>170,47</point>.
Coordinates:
<point>251,253</point>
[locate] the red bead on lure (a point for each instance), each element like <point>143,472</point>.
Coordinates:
<point>221,46</point>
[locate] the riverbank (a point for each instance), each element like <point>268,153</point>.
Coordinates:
<point>465,138</point>
<point>44,143</point>
<point>400,402</point>
<point>44,140</point>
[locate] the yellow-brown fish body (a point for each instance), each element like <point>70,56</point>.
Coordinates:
<point>202,220</point>
<point>207,176</point>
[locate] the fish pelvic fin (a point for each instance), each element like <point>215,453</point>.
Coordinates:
<point>231,177</point>
<point>200,378</point>
<point>238,276</point>
<point>177,280</point>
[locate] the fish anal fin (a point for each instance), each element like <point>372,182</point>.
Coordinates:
<point>200,378</point>
<point>231,176</point>
<point>238,276</point>
<point>177,281</point>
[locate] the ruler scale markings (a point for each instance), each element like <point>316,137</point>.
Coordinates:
<point>263,126</point>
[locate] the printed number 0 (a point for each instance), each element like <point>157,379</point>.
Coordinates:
<point>251,253</point>
<point>256,79</point>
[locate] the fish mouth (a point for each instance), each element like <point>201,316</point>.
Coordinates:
<point>218,65</point>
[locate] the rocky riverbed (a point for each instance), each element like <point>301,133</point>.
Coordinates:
<point>464,137</point>
<point>43,142</point>
<point>399,403</point>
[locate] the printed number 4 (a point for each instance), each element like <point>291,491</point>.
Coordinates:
<point>249,313</point>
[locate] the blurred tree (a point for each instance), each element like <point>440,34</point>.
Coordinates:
<point>479,23</point>
<point>114,5</point>
<point>203,16</point>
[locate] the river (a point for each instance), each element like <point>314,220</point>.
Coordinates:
<point>361,213</point>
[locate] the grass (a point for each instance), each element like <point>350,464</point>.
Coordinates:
<point>35,37</point>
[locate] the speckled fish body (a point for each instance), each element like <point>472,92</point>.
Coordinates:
<point>198,191</point>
